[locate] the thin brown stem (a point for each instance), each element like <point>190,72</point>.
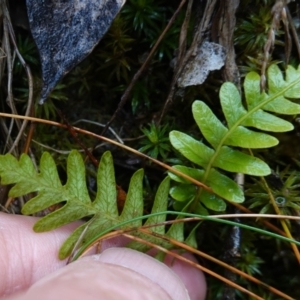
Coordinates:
<point>138,74</point>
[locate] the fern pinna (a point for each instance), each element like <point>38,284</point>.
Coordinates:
<point>221,155</point>
<point>76,201</point>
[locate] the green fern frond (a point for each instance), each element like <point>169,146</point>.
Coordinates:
<point>74,196</point>
<point>221,155</point>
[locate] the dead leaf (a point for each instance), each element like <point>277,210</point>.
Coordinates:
<point>66,31</point>
<point>209,57</point>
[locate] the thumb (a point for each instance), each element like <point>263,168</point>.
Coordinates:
<point>117,273</point>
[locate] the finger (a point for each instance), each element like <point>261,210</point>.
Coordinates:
<point>193,279</point>
<point>149,267</point>
<point>26,256</point>
<point>93,278</point>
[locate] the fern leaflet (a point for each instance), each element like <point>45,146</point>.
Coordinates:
<point>221,155</point>
<point>74,196</point>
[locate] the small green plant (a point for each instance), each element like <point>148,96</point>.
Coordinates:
<point>221,155</point>
<point>251,34</point>
<point>29,53</point>
<point>48,110</point>
<point>285,194</point>
<point>156,143</point>
<point>250,262</point>
<point>145,16</point>
<point>114,54</point>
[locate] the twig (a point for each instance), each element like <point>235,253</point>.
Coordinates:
<point>30,86</point>
<point>138,74</point>
<point>198,36</point>
<point>101,125</point>
<point>65,152</point>
<point>78,141</point>
<point>8,30</point>
<point>293,30</point>
<point>278,13</point>
<point>6,45</point>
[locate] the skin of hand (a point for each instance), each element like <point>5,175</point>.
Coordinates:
<point>30,269</point>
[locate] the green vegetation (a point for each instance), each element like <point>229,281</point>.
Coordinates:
<point>207,133</point>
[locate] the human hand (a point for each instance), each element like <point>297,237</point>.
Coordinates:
<point>30,269</point>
